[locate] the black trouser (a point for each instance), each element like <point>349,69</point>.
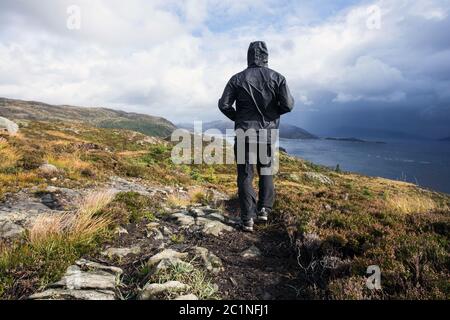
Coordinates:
<point>245,173</point>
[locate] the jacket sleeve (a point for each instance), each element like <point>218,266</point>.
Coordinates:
<point>285,99</point>
<point>227,100</point>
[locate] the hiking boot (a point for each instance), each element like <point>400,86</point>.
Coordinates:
<point>247,225</point>
<point>263,215</point>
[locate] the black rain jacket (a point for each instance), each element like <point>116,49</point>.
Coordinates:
<point>261,94</point>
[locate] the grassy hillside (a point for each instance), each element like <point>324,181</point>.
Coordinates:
<point>339,223</point>
<point>101,117</point>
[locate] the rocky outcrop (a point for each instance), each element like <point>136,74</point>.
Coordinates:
<point>120,253</point>
<point>86,280</point>
<point>211,262</point>
<point>48,169</point>
<point>187,297</point>
<point>318,177</point>
<point>19,211</point>
<point>252,252</point>
<point>10,230</point>
<point>156,290</point>
<point>205,219</point>
<point>167,254</point>
<point>8,126</point>
<point>89,280</point>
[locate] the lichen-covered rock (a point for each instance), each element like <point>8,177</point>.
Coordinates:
<point>86,280</point>
<point>318,177</point>
<point>68,294</point>
<point>48,169</point>
<point>165,264</point>
<point>215,228</point>
<point>215,215</point>
<point>183,219</point>
<point>9,230</point>
<point>75,279</point>
<point>156,234</point>
<point>196,212</point>
<point>210,260</point>
<point>90,265</point>
<point>155,290</point>
<point>8,126</point>
<point>121,252</point>
<point>166,254</point>
<point>187,297</point>
<point>252,252</point>
<point>120,231</point>
<point>152,225</point>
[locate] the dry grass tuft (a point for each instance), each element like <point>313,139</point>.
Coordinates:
<point>87,222</point>
<point>82,225</point>
<point>47,226</point>
<point>8,155</point>
<point>69,162</point>
<point>177,201</point>
<point>408,204</point>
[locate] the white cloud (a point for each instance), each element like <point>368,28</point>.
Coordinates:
<point>162,57</point>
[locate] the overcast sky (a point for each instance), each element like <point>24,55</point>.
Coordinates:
<point>345,66</point>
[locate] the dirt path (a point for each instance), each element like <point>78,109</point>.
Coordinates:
<point>272,273</point>
<point>226,262</point>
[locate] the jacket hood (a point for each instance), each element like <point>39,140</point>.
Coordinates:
<point>257,55</point>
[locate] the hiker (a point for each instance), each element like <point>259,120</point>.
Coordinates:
<point>262,96</point>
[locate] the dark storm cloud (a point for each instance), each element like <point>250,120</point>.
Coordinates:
<point>172,58</point>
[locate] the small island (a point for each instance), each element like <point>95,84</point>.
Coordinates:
<point>354,140</point>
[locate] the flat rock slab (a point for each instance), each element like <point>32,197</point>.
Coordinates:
<point>67,294</point>
<point>216,216</point>
<point>216,228</point>
<point>155,290</point>
<point>165,264</point>
<point>119,184</point>
<point>86,280</point>
<point>152,225</point>
<point>76,279</point>
<point>48,169</point>
<point>120,252</point>
<point>166,254</point>
<point>252,252</point>
<point>196,212</point>
<point>11,127</point>
<point>9,230</point>
<point>90,265</point>
<point>187,297</point>
<point>183,219</point>
<point>318,177</point>
<point>210,260</point>
<point>120,231</point>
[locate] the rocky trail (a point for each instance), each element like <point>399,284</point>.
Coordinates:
<point>193,252</point>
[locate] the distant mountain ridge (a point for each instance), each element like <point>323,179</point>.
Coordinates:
<point>287,131</point>
<point>447,139</point>
<point>373,133</point>
<point>101,117</point>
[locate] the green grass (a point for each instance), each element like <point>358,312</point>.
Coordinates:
<point>42,256</point>
<point>197,279</point>
<point>395,225</point>
<point>32,266</point>
<point>138,206</point>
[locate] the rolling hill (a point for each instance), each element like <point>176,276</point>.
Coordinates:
<point>100,117</point>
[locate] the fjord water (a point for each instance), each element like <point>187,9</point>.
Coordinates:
<point>426,163</point>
